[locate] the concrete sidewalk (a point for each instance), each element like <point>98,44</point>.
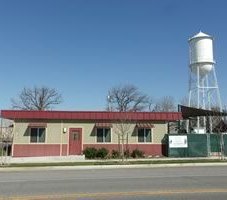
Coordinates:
<point>92,167</point>
<point>6,167</point>
<point>81,158</point>
<point>46,159</point>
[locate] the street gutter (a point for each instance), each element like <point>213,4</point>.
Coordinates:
<point>196,163</point>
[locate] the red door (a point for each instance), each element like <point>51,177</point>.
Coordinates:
<point>75,141</point>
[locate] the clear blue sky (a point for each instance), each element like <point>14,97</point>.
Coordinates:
<point>84,47</point>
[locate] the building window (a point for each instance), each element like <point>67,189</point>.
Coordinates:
<point>144,135</point>
<point>38,135</point>
<point>103,135</point>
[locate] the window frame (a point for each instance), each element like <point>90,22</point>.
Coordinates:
<point>144,135</point>
<point>103,135</point>
<point>38,135</point>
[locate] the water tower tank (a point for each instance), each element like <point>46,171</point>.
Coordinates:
<point>201,53</point>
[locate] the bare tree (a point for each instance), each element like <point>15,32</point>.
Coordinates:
<point>37,98</point>
<point>123,128</point>
<point>6,138</point>
<point>127,98</point>
<point>165,104</point>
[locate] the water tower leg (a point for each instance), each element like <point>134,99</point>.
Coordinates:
<point>218,92</point>
<point>198,95</point>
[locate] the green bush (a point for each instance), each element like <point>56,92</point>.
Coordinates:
<point>90,152</point>
<point>115,154</point>
<point>136,153</point>
<point>127,153</point>
<point>102,153</point>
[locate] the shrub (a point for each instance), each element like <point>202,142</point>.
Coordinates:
<point>127,153</point>
<point>136,153</point>
<point>90,152</point>
<point>102,153</point>
<point>115,154</point>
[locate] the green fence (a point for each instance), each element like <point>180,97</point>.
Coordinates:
<point>198,145</point>
<point>225,144</point>
<point>215,140</point>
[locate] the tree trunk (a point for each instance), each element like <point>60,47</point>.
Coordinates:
<point>122,148</point>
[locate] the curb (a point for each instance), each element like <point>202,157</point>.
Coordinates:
<point>11,169</point>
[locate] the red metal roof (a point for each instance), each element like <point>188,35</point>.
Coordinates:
<point>91,115</point>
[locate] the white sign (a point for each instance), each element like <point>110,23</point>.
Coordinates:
<point>178,141</point>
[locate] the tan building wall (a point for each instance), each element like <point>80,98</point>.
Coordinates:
<point>56,135</point>
<point>159,130</point>
<point>88,131</point>
<point>21,133</point>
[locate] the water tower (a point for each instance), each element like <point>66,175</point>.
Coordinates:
<point>203,86</point>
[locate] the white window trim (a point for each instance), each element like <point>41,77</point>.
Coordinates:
<point>145,142</point>
<point>37,135</point>
<point>103,135</point>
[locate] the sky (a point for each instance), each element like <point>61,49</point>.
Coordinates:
<point>83,48</point>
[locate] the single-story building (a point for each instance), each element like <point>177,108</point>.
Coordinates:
<point>64,133</point>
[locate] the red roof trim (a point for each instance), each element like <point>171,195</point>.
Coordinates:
<point>91,115</point>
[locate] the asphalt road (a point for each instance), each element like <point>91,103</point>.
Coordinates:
<point>141,183</point>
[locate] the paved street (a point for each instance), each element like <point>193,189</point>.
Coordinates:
<point>158,183</point>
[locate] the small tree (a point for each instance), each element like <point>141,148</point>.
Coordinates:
<point>125,99</point>
<point>37,98</point>
<point>122,128</point>
<point>6,138</point>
